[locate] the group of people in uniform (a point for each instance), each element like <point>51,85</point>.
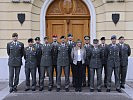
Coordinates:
<point>55,56</point>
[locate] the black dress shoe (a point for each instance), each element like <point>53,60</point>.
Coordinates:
<point>122,86</point>
<point>91,90</point>
<point>99,90</point>
<point>67,89</point>
<point>58,90</point>
<point>27,89</point>
<point>76,90</point>
<point>41,89</point>
<point>108,90</point>
<point>50,89</point>
<point>33,89</point>
<point>119,90</point>
<point>80,90</point>
<point>11,90</point>
<point>15,89</point>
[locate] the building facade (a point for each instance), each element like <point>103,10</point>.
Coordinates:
<point>96,18</point>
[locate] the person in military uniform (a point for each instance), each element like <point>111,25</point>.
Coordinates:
<point>38,46</point>
<point>71,44</point>
<point>55,45</point>
<point>113,64</point>
<point>125,52</point>
<point>87,47</point>
<point>46,64</point>
<point>95,65</point>
<point>78,56</point>
<point>63,62</point>
<point>30,55</point>
<point>103,47</point>
<point>15,51</point>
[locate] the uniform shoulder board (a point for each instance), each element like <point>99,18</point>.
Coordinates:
<point>20,42</point>
<point>9,43</point>
<point>117,45</point>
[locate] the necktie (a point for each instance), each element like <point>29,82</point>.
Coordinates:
<point>30,48</point>
<point>122,45</point>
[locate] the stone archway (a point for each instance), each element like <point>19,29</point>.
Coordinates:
<point>43,19</point>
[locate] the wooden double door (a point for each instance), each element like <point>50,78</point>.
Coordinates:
<point>79,28</point>
<point>68,16</point>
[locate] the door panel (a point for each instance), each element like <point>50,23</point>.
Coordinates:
<point>58,27</point>
<point>79,28</point>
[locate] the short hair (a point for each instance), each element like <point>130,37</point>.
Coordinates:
<point>62,37</point>
<point>102,38</point>
<point>121,37</point>
<point>14,35</point>
<point>45,38</point>
<point>30,40</point>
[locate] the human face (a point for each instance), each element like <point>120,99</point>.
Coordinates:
<point>46,41</point>
<point>63,40</point>
<point>30,43</point>
<point>37,41</point>
<point>79,44</point>
<point>15,38</point>
<point>122,40</point>
<point>103,41</point>
<point>54,39</point>
<point>113,41</point>
<point>70,38</point>
<point>95,45</point>
<point>87,41</point>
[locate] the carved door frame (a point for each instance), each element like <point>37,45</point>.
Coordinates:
<point>43,19</point>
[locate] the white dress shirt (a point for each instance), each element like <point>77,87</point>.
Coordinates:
<point>79,55</point>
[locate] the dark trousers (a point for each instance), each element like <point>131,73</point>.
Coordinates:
<point>99,77</point>
<point>78,75</point>
<point>73,76</point>
<point>38,69</point>
<point>105,73</point>
<point>31,71</point>
<point>116,73</point>
<point>14,72</point>
<point>43,70</point>
<point>123,73</point>
<point>66,72</point>
<point>84,74</point>
<point>54,67</point>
